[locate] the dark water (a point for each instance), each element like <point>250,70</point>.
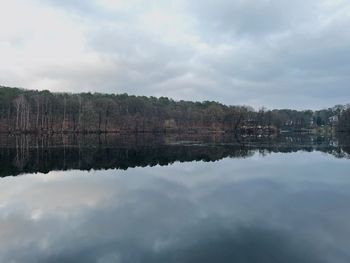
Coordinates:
<point>175,199</point>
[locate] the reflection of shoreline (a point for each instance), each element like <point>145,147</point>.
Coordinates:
<point>30,154</point>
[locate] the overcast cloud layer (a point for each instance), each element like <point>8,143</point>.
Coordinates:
<point>276,53</point>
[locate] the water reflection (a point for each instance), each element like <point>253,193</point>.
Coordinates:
<point>30,154</point>
<point>278,208</point>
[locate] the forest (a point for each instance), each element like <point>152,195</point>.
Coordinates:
<point>44,112</point>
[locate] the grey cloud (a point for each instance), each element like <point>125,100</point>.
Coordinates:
<point>133,63</point>
<point>80,6</point>
<point>264,53</point>
<point>92,9</point>
<point>84,8</point>
<point>252,18</point>
<point>303,65</point>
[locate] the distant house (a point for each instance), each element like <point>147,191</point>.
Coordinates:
<point>289,123</point>
<point>333,120</point>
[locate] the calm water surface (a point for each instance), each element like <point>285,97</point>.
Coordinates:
<point>210,200</point>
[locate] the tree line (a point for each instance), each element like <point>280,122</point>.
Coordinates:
<point>344,121</point>
<point>31,111</point>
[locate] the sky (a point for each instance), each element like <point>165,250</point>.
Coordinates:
<point>273,53</point>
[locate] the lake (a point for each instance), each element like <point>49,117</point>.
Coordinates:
<point>155,198</point>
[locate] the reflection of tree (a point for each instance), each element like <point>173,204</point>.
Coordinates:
<point>22,151</point>
<point>27,153</point>
<point>343,141</point>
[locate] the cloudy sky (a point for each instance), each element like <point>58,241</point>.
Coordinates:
<point>276,53</point>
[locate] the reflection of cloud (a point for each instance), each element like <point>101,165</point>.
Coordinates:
<point>243,245</point>
<point>42,195</point>
<point>240,245</point>
<point>163,214</point>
